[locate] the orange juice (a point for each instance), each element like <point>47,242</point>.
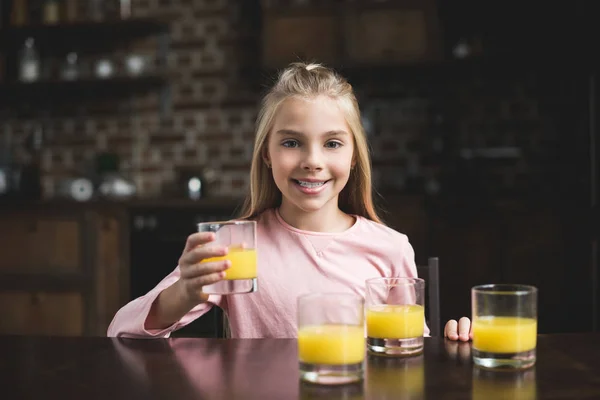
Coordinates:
<point>331,344</point>
<point>243,263</point>
<point>504,334</point>
<point>389,321</point>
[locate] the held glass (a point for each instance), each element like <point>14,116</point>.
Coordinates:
<point>331,338</point>
<point>240,238</point>
<point>504,326</point>
<point>395,316</point>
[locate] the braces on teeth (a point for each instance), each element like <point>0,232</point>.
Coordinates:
<point>310,184</point>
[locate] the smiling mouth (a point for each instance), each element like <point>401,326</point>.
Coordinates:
<point>310,185</point>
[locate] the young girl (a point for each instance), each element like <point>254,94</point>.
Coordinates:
<point>317,229</point>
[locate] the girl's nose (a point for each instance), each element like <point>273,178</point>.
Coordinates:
<point>313,160</point>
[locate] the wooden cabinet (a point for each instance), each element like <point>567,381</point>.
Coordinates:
<point>351,34</point>
<point>63,269</point>
<point>42,312</point>
<point>401,32</point>
<point>300,36</point>
<point>53,243</point>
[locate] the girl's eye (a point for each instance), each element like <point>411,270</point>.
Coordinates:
<point>333,145</point>
<point>290,143</point>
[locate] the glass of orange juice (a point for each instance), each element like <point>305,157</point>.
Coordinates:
<point>504,326</point>
<point>240,239</point>
<point>395,316</point>
<point>331,338</point>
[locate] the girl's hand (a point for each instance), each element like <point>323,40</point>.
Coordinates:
<point>461,330</point>
<point>194,273</point>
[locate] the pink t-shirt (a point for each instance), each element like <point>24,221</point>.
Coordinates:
<point>291,262</point>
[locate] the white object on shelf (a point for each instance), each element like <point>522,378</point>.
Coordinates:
<point>104,68</point>
<point>135,64</point>
<point>70,70</point>
<point>30,62</point>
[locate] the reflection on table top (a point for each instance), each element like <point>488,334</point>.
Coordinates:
<point>568,367</point>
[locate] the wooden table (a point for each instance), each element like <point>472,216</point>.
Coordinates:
<point>568,367</point>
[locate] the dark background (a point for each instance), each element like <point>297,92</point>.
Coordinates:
<point>484,159</point>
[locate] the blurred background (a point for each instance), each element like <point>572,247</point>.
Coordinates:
<point>125,122</point>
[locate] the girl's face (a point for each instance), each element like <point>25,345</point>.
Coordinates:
<point>310,150</point>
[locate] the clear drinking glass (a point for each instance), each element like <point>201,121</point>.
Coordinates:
<point>504,326</point>
<point>331,338</point>
<point>240,238</point>
<point>395,316</point>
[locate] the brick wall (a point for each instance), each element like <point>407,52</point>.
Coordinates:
<point>414,137</point>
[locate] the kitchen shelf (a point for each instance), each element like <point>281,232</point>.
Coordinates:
<point>57,91</point>
<point>82,32</point>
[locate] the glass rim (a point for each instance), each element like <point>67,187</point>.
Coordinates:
<point>399,279</point>
<point>504,289</point>
<point>231,222</point>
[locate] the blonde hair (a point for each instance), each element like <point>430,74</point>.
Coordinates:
<point>308,81</point>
